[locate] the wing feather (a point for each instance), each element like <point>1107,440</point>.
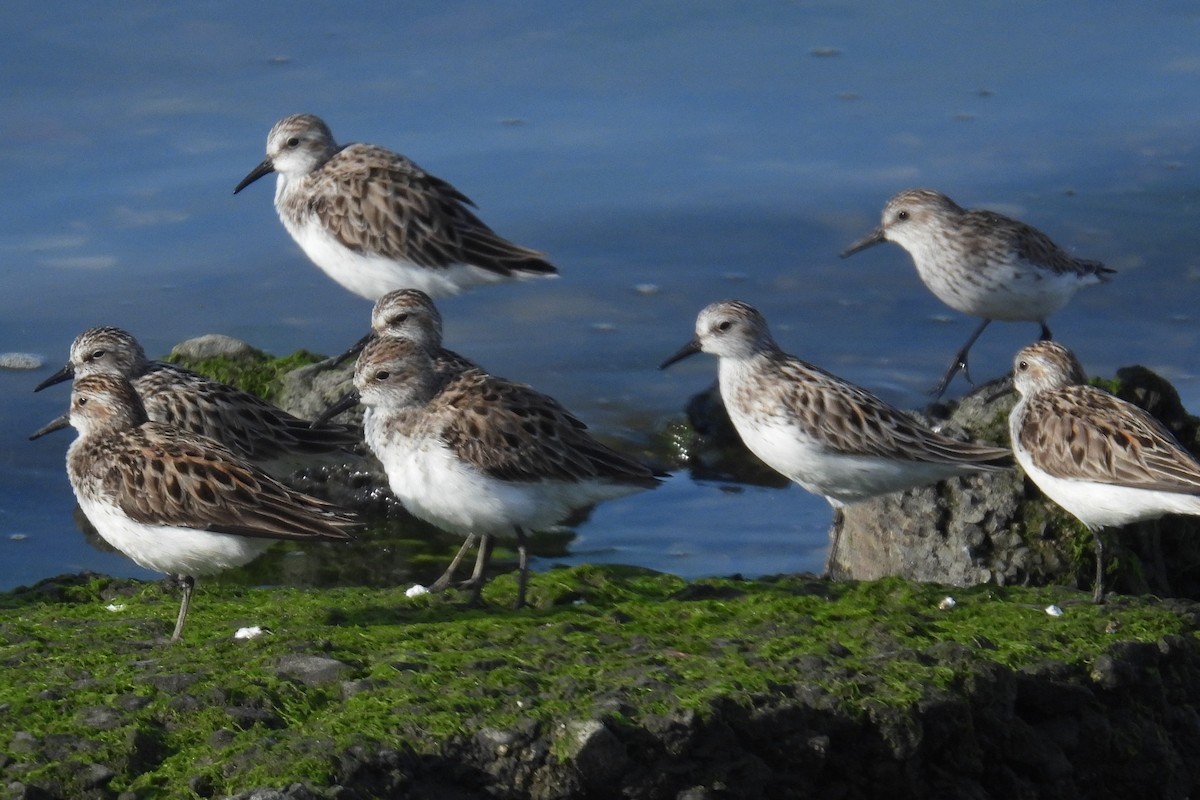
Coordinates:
<point>1084,433</point>
<point>161,477</point>
<point>514,433</point>
<point>856,422</point>
<point>378,202</point>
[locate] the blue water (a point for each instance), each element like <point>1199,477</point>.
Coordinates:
<point>695,150</point>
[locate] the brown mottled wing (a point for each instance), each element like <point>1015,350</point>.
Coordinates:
<point>855,422</point>
<point>160,477</point>
<point>1032,245</point>
<point>243,422</point>
<point>378,202</point>
<point>514,433</point>
<point>1084,433</point>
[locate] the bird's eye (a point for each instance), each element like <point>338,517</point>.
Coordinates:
<point>396,320</point>
<point>95,355</point>
<point>81,401</point>
<point>902,215</point>
<point>293,142</point>
<point>726,325</point>
<point>1022,365</point>
<point>382,375</point>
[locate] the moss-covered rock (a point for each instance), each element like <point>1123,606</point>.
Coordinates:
<point>618,682</point>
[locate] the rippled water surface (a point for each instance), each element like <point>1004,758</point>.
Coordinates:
<point>664,155</point>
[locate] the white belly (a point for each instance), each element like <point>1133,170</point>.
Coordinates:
<point>1099,505</point>
<point>790,450</point>
<point>372,276</point>
<point>168,549</point>
<point>443,490</point>
<point>999,290</point>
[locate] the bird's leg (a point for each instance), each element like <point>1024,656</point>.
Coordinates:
<point>1098,591</point>
<point>835,536</point>
<point>186,583</point>
<point>447,576</point>
<point>959,364</point>
<point>476,581</point>
<point>522,565</point>
<point>1046,335</point>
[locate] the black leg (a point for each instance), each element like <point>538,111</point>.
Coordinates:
<point>1046,335</point>
<point>186,584</point>
<point>959,364</point>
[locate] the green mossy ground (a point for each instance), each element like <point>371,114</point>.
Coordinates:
<point>85,685</point>
<point>258,374</point>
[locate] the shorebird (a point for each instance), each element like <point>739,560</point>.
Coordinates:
<point>173,501</point>
<point>981,263</point>
<point>269,437</point>
<point>478,454</point>
<point>410,315</point>
<point>1104,460</point>
<point>833,438</point>
<point>374,221</point>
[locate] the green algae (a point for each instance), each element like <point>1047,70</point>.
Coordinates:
<point>256,372</point>
<point>89,682</point>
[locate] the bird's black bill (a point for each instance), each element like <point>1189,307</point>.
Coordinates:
<point>354,350</point>
<point>870,240</point>
<point>350,400</point>
<point>689,349</point>
<point>50,427</point>
<point>265,168</point>
<point>64,374</point>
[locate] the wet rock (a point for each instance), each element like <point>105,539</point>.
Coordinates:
<point>598,755</point>
<point>94,776</point>
<point>311,670</point>
<point>21,361</point>
<point>309,390</point>
<point>213,345</point>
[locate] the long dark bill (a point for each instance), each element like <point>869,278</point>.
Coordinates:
<point>348,401</point>
<point>64,374</point>
<point>689,349</point>
<point>870,240</point>
<point>354,350</point>
<point>265,168</point>
<point>50,427</point>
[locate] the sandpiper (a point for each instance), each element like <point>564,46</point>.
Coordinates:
<point>830,436</point>
<point>269,437</point>
<point>173,501</point>
<point>374,221</point>
<point>1104,460</point>
<point>410,315</point>
<point>981,263</point>
<point>480,454</point>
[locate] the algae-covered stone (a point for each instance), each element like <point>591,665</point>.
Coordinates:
<point>788,687</point>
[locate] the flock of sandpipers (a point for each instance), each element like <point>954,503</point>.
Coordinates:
<point>174,470</point>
